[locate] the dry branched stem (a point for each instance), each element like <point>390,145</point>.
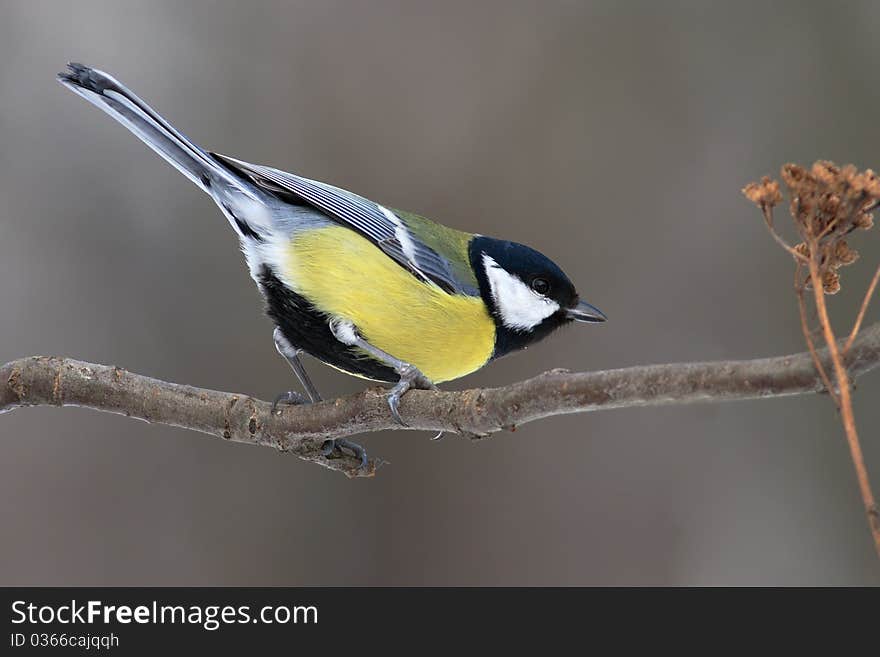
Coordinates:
<point>828,203</point>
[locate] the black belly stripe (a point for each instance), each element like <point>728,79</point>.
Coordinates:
<point>308,328</point>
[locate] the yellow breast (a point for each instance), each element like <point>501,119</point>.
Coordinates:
<point>344,275</point>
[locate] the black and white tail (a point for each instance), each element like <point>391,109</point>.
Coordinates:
<point>230,191</point>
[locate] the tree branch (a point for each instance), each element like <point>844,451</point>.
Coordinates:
<point>54,381</point>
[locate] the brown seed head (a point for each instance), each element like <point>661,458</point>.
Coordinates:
<point>794,176</point>
<point>763,194</point>
<point>826,172</point>
<point>844,255</point>
<point>872,184</point>
<point>827,203</point>
<point>865,220</point>
<point>831,282</point>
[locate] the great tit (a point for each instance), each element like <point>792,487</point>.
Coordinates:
<point>378,293</point>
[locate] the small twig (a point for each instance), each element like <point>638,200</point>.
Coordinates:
<point>862,311</point>
<point>768,220</point>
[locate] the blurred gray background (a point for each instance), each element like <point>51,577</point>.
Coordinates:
<point>614,136</point>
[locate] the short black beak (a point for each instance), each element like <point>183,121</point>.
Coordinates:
<point>584,312</point>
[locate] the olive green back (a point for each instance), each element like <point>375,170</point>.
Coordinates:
<point>450,243</point>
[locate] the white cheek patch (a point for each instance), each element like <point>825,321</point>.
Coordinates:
<point>520,307</point>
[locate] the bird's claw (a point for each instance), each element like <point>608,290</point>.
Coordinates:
<point>289,398</point>
<point>410,377</point>
<point>339,444</point>
<point>394,403</point>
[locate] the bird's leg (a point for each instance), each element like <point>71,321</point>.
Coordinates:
<point>410,376</point>
<point>291,355</point>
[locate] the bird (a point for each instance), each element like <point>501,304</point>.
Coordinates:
<point>376,292</point>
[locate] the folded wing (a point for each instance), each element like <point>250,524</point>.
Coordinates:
<point>377,223</point>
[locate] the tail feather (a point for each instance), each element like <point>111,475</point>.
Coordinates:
<point>111,96</point>
<point>240,201</point>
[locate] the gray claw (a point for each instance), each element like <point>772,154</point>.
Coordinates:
<point>394,405</point>
<point>338,444</point>
<point>410,377</point>
<point>290,398</point>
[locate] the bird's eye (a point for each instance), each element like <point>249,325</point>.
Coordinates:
<point>541,285</point>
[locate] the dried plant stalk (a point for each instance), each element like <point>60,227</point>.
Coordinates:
<point>827,203</point>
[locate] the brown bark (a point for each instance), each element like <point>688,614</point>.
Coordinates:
<point>301,430</point>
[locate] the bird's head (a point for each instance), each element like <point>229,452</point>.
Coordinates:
<point>528,295</point>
